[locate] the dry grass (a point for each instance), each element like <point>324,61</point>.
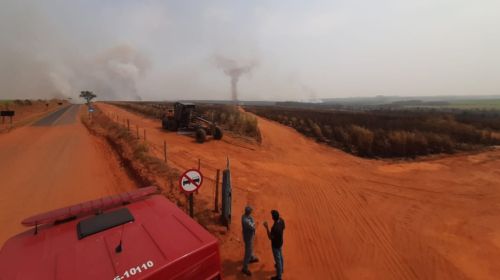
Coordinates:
<point>227,116</point>
<point>148,110</point>
<point>147,169</point>
<point>232,119</point>
<point>134,154</point>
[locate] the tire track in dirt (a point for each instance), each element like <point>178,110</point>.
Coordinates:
<point>307,233</point>
<point>365,232</point>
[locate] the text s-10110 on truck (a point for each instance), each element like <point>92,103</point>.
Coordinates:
<point>136,235</point>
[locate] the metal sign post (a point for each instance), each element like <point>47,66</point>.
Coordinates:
<point>191,205</point>
<point>189,182</point>
<point>226,196</point>
<point>91,110</point>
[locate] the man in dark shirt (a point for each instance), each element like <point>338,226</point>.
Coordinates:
<point>276,237</point>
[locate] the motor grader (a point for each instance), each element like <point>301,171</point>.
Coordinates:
<point>184,118</point>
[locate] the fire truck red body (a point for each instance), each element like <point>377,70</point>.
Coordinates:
<point>147,238</point>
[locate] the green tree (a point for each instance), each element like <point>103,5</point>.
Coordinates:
<point>87,95</point>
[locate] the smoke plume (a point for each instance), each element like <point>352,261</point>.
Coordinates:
<point>116,72</point>
<point>167,50</point>
<point>234,70</point>
<point>42,59</point>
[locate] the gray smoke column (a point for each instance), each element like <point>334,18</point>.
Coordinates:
<point>117,70</point>
<point>234,71</point>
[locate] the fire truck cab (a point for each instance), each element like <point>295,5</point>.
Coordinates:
<point>137,235</point>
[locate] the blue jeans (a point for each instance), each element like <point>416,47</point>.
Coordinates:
<point>248,253</point>
<point>278,260</point>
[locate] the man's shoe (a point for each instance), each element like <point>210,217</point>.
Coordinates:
<point>254,260</point>
<point>275,278</point>
<point>246,272</point>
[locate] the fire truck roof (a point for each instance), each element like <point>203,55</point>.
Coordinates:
<point>156,238</point>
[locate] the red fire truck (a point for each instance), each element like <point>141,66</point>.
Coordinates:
<point>134,235</point>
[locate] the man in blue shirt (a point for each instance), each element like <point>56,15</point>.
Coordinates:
<point>248,227</point>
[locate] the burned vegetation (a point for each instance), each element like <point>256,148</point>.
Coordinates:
<point>391,133</point>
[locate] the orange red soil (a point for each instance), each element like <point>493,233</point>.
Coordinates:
<point>348,218</point>
<point>55,164</point>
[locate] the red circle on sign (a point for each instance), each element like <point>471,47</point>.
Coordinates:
<point>184,175</point>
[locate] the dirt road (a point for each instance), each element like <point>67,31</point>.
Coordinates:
<point>346,217</point>
<point>52,164</point>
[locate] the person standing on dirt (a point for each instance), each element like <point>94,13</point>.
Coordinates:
<point>248,227</point>
<point>276,237</point>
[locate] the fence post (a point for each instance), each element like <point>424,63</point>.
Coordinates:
<point>216,206</point>
<point>165,150</point>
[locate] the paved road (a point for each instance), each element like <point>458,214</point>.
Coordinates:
<point>59,117</point>
<point>52,164</point>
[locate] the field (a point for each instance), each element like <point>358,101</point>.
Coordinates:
<point>476,104</point>
<point>462,104</point>
<point>347,217</point>
<point>390,133</point>
<point>487,102</point>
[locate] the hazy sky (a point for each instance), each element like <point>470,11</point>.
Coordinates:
<point>298,49</point>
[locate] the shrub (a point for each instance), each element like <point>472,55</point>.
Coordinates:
<point>232,119</point>
<point>362,139</point>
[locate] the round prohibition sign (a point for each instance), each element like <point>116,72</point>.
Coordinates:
<point>190,181</point>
